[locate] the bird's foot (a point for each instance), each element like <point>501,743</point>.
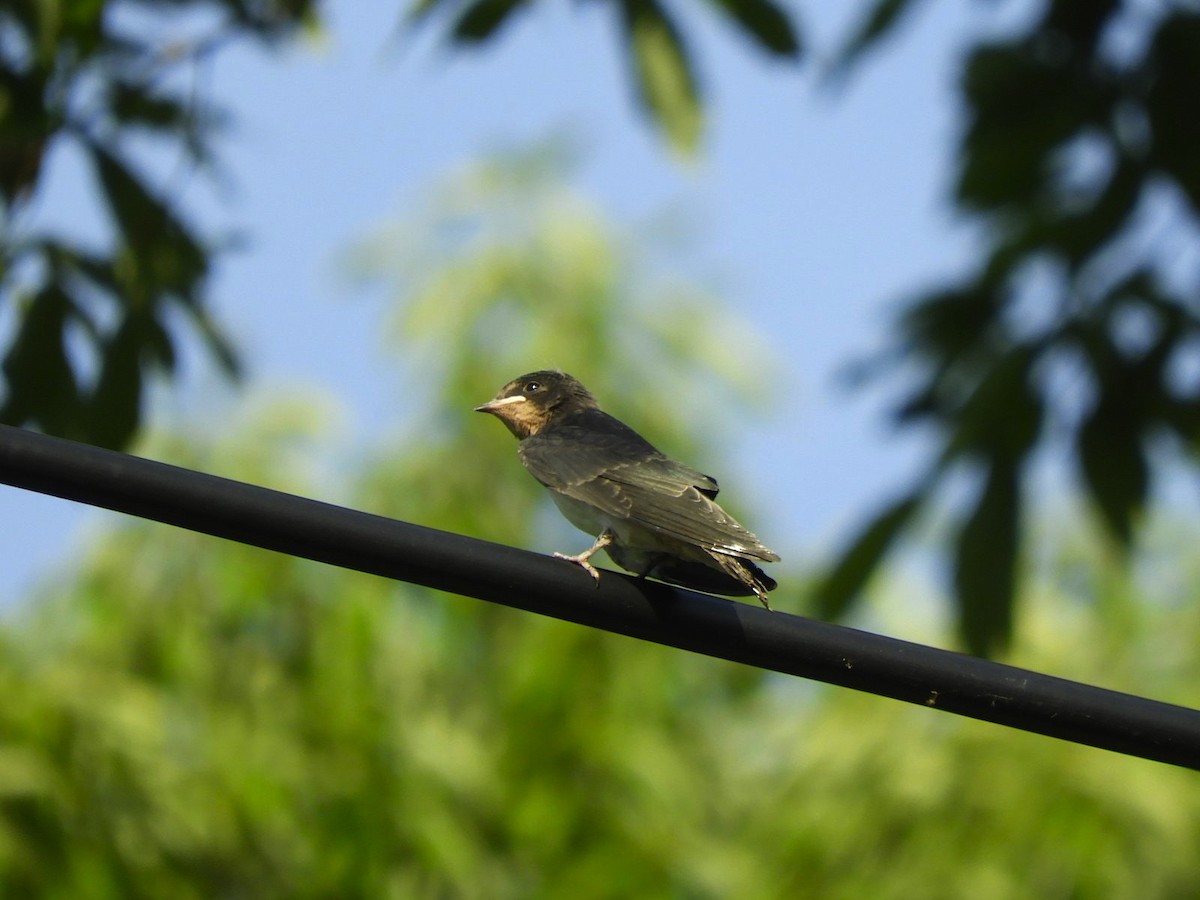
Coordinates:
<point>583,559</point>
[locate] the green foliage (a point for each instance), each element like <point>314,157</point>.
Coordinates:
<point>661,61</point>
<point>1070,285</point>
<point>69,73</point>
<point>664,72</point>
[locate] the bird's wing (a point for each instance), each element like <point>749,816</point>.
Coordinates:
<point>616,471</point>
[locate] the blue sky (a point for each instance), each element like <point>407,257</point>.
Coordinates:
<point>817,210</point>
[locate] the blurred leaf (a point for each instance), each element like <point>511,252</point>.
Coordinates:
<point>666,81</point>
<point>1023,106</point>
<point>1075,235</point>
<point>1170,106</point>
<point>218,343</point>
<point>135,104</point>
<point>115,403</point>
<point>1002,417</point>
<point>1081,24</point>
<point>25,126</point>
<point>946,326</point>
<point>482,19</point>
<point>160,254</point>
<point>1113,462</point>
<point>40,384</point>
<point>140,215</point>
<point>879,22</point>
<point>1182,415</point>
<point>985,561</point>
<point>842,586</point>
<point>768,23</point>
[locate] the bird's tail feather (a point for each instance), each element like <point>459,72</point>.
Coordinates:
<point>748,574</point>
<point>735,578</point>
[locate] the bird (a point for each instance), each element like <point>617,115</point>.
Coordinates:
<point>654,516</point>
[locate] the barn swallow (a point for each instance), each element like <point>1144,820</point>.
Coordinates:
<point>654,516</point>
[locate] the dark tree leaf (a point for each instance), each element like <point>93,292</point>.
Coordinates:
<point>134,208</point>
<point>666,80</point>
<point>482,19</point>
<point>1171,104</point>
<point>1082,24</point>
<point>875,26</point>
<point>1002,417</point>
<point>135,104</point>
<point>945,331</point>
<point>947,325</point>
<point>25,126</point>
<point>1113,462</point>
<point>114,405</point>
<point>41,386</point>
<point>1024,106</point>
<point>1075,235</point>
<point>986,559</point>
<point>1182,416</point>
<point>842,586</point>
<point>218,344</point>
<point>164,256</point>
<point>767,23</point>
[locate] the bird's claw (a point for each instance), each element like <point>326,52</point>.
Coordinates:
<point>582,561</point>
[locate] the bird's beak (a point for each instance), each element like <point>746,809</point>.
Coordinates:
<point>494,406</point>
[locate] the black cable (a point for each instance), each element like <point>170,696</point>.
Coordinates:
<point>741,632</point>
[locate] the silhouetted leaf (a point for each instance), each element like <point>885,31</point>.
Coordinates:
<point>1113,462</point>
<point>1002,417</point>
<point>114,405</point>
<point>1082,24</point>
<point>1182,416</point>
<point>947,324</point>
<point>842,586</point>
<point>25,125</point>
<point>1024,107</point>
<point>218,344</point>
<point>163,253</point>
<point>136,104</point>
<point>40,383</point>
<point>1171,103</point>
<point>134,208</point>
<point>482,19</point>
<point>666,81</point>
<point>1075,235</point>
<point>985,561</point>
<point>876,25</point>
<point>767,22</point>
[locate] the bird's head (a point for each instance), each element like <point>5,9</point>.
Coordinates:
<point>530,403</point>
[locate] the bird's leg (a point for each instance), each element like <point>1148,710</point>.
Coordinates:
<point>606,538</point>
<point>653,560</point>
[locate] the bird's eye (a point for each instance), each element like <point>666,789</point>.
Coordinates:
<point>532,387</point>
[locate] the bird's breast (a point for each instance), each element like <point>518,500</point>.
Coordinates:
<point>582,515</point>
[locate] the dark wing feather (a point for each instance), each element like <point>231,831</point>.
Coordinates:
<point>606,464</point>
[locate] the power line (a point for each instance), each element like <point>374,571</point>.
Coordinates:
<point>740,632</point>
